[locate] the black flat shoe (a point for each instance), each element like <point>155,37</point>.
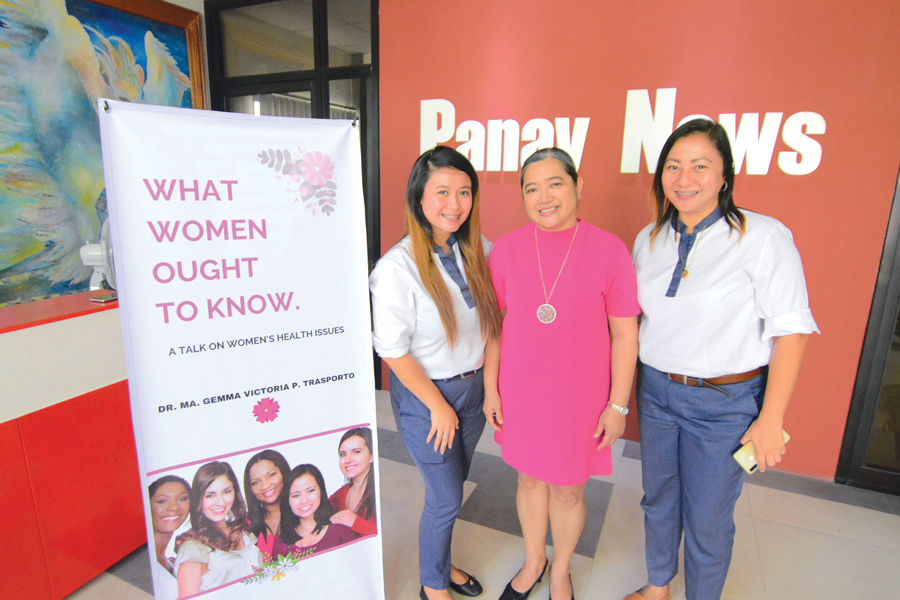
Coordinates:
<point>470,588</point>
<point>509,593</point>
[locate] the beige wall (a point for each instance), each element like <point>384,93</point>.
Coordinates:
<point>194,5</point>
<point>51,363</point>
<point>197,6</point>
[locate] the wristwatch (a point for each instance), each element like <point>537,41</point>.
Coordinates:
<point>622,410</point>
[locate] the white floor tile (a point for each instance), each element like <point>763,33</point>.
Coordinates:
<point>495,558</point>
<point>745,577</point>
<point>400,485</point>
<point>492,556</point>
<point>581,573</point>
<point>629,474</point>
<point>743,504</point>
<point>402,501</point>
<point>613,582</point>
<point>800,564</point>
<point>622,539</point>
<point>787,546</point>
<point>409,591</point>
<point>842,520</point>
<point>621,550</point>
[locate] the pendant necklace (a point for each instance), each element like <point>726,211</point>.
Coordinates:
<point>545,312</point>
<point>684,260</point>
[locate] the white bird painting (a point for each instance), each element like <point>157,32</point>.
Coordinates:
<point>53,67</point>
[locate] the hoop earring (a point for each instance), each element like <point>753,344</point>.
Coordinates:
<point>725,188</point>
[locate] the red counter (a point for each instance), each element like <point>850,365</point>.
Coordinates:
<point>70,487</point>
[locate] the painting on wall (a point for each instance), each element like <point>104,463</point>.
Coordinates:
<point>56,58</point>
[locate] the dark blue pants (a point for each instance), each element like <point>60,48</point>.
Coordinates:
<point>691,481</point>
<point>444,474</point>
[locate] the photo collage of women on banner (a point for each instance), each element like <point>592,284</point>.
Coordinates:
<point>254,515</point>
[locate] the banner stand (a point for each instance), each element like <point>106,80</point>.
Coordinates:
<point>240,258</point>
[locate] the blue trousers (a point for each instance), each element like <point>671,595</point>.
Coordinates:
<point>691,481</point>
<point>444,474</point>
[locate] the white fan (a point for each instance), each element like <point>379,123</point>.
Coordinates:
<point>100,257</point>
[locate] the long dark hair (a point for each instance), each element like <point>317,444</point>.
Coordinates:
<point>366,508</point>
<point>202,529</point>
<point>255,508</point>
<point>715,133</point>
<point>468,236</point>
<point>290,521</point>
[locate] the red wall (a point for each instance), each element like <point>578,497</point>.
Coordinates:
<point>495,59</point>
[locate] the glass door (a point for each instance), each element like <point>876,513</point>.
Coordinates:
<point>302,58</point>
<point>870,454</point>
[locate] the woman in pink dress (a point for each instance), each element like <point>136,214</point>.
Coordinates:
<point>557,385</point>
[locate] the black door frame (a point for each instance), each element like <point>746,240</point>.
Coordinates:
<point>852,468</point>
<point>317,81</point>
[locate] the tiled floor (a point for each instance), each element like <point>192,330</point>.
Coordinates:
<point>796,538</point>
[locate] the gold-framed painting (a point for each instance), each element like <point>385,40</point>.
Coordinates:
<point>182,18</point>
<point>56,58</point>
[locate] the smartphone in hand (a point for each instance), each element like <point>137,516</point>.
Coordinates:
<point>746,455</point>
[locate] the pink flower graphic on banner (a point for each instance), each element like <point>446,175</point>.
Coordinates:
<point>317,168</point>
<point>309,176</point>
<point>266,410</point>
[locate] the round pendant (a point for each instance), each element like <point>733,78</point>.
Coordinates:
<point>546,313</point>
<point>685,273</point>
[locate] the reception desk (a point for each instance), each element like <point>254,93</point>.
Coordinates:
<point>70,495</point>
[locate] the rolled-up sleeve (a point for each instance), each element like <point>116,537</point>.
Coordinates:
<point>779,285</point>
<point>393,309</point>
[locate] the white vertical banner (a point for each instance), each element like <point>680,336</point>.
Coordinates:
<point>240,251</point>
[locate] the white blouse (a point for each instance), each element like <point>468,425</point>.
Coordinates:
<point>224,566</point>
<point>406,320</point>
<point>742,291</point>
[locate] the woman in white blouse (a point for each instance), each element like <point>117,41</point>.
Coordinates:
<point>217,549</point>
<point>724,327</point>
<point>433,311</point>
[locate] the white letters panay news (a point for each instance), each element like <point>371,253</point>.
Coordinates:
<point>438,124</point>
<point>497,146</point>
<point>647,129</point>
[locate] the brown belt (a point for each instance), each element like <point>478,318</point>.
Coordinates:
<point>723,380</point>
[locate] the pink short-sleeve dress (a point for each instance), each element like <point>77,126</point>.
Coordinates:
<point>555,377</point>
